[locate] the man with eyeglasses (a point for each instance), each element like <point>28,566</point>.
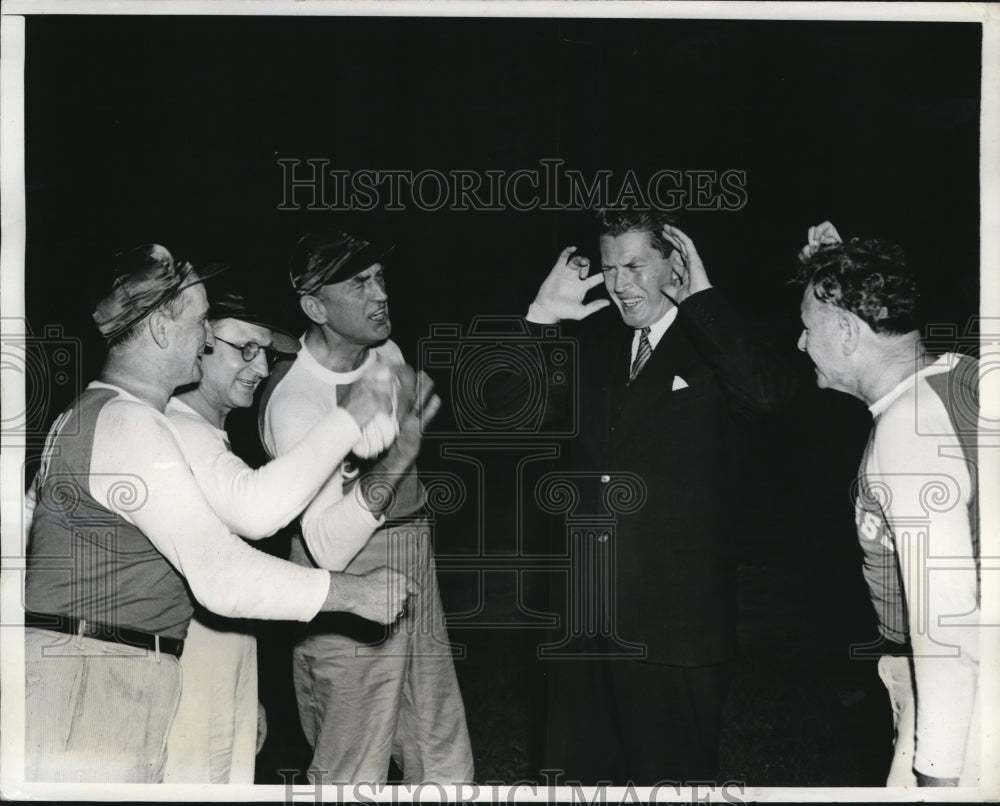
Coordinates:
<point>364,695</point>
<point>214,737</point>
<point>121,537</point>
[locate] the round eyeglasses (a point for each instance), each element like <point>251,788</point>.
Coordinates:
<point>250,350</point>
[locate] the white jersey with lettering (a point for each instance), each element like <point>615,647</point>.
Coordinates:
<point>916,511</point>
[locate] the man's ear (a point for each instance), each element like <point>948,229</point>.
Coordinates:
<point>850,331</point>
<point>159,328</point>
<point>678,270</point>
<point>313,308</point>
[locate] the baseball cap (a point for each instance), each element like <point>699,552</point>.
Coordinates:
<point>253,310</point>
<point>323,258</point>
<point>142,279</point>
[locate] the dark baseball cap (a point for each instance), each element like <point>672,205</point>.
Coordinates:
<point>323,258</point>
<point>142,279</point>
<point>255,311</point>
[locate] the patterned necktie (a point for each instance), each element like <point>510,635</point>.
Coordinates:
<point>641,355</point>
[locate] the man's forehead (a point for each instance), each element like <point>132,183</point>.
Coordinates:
<point>364,274</point>
<point>632,237</point>
<point>237,329</point>
<point>813,304</point>
<point>627,245</point>
<point>375,268</point>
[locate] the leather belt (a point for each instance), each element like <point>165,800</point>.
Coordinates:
<point>104,632</point>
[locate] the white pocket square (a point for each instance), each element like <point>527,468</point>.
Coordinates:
<point>679,383</point>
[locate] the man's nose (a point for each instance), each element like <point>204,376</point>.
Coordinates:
<point>259,364</point>
<point>802,341</point>
<point>209,336</point>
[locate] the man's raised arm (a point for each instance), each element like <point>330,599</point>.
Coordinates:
<point>225,574</point>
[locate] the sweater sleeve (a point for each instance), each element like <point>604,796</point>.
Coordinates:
<point>256,503</point>
<point>927,509</point>
<point>139,472</point>
<point>335,527</point>
<point>757,378</point>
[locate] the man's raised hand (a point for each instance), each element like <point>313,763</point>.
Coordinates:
<point>688,275</point>
<point>373,392</point>
<point>561,295</point>
<point>820,235</point>
<point>417,406</point>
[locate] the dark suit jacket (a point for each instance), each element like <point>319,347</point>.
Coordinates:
<point>673,557</point>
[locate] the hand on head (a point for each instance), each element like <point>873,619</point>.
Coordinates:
<point>688,275</point>
<point>820,235</point>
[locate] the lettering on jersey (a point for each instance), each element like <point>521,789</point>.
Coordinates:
<point>871,523</point>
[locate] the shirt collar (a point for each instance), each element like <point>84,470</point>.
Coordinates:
<point>177,406</point>
<point>944,363</point>
<point>309,362</point>
<point>658,328</point>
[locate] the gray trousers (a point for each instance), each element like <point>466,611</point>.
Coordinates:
<point>368,694</point>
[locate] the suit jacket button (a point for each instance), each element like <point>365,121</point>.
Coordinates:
<point>605,478</point>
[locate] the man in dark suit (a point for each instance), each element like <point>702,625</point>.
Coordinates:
<point>638,697</point>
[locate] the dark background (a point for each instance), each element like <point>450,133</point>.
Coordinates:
<point>168,129</point>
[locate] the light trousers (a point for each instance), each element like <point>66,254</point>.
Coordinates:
<point>214,737</point>
<point>96,711</point>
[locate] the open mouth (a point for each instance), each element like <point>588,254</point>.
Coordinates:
<point>250,385</point>
<point>630,302</point>
<point>380,316</point>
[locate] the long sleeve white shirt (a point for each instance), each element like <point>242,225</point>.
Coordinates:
<point>134,440</point>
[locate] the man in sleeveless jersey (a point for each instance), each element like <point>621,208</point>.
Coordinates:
<point>915,497</point>
<point>121,537</point>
